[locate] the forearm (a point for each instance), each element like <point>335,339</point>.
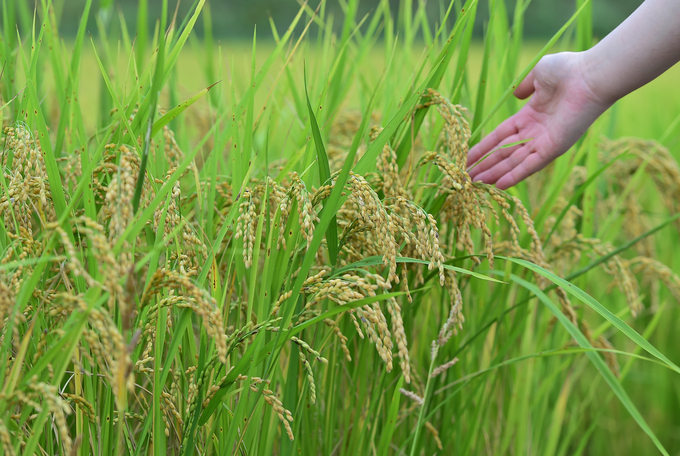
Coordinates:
<point>644,46</point>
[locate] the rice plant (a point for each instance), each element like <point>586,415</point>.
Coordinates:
<point>292,258</point>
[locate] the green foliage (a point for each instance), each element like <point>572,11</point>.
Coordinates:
<point>210,276</point>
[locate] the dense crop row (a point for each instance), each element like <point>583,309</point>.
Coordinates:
<point>295,260</point>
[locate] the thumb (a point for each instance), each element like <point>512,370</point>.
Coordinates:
<point>526,87</point>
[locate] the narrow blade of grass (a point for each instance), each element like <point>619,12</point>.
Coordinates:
<point>324,176</point>
<point>597,307</point>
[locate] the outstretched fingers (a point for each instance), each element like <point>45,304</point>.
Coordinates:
<point>500,152</point>
<point>511,159</point>
<point>493,161</point>
<point>508,128</point>
<point>492,141</point>
<point>530,165</point>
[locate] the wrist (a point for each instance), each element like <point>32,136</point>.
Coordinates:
<point>597,79</point>
<point>644,46</point>
<point>598,84</point>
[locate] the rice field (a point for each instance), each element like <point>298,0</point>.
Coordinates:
<point>274,247</point>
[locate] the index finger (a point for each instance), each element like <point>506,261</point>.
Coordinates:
<point>492,140</point>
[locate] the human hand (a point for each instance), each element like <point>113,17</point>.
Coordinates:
<point>564,104</point>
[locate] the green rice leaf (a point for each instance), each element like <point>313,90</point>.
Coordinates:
<point>324,175</point>
<point>596,306</point>
<point>177,110</point>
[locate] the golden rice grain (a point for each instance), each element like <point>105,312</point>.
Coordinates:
<point>411,395</point>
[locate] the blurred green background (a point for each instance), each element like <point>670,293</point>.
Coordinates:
<point>647,113</point>
<point>238,18</point>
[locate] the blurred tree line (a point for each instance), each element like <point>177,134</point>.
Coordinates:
<point>237,18</point>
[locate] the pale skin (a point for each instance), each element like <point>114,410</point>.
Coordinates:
<point>569,91</point>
